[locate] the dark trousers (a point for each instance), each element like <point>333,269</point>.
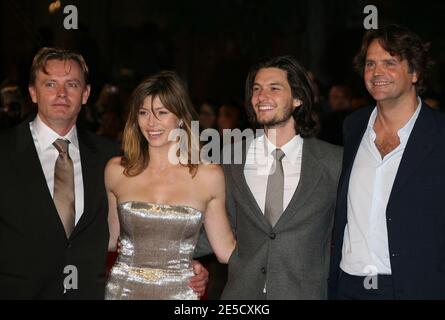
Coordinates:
<point>364,288</point>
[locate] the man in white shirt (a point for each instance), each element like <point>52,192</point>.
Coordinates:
<point>282,195</point>
<point>53,205</point>
<point>388,242</point>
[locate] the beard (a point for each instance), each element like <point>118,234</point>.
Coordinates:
<point>279,119</point>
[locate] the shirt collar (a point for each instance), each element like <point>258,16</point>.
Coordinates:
<point>46,136</point>
<point>291,149</point>
<point>408,127</point>
<point>403,132</point>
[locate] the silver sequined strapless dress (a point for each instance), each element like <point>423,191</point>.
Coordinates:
<point>157,244</point>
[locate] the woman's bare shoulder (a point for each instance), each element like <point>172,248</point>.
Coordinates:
<point>115,163</point>
<point>210,170</point>
<point>114,168</point>
<point>210,175</point>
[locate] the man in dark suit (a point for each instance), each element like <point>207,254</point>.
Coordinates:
<point>389,229</point>
<point>53,206</point>
<point>282,195</point>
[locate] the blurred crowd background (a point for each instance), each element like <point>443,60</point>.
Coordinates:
<point>212,45</point>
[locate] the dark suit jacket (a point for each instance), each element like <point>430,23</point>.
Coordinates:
<point>34,249</point>
<point>292,257</point>
<point>415,212</point>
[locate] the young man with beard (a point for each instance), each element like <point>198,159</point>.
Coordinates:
<point>282,195</point>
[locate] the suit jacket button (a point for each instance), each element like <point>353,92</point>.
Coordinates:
<point>263,270</point>
<point>272,235</point>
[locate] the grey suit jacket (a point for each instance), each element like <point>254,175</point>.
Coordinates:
<point>292,258</point>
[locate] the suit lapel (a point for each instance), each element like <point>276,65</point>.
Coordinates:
<point>420,144</point>
<point>310,175</point>
<point>29,170</point>
<point>353,138</point>
<point>245,194</point>
<point>92,173</point>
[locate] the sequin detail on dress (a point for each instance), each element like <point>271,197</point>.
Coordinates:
<point>157,244</point>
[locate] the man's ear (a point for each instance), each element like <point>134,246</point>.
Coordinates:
<point>86,94</point>
<point>296,103</point>
<point>32,93</point>
<point>415,78</point>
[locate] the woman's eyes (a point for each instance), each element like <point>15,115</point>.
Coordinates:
<point>158,113</point>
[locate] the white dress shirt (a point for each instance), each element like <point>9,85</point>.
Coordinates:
<point>44,137</point>
<point>365,247</point>
<point>259,161</point>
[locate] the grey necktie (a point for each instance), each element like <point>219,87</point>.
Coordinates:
<point>275,189</point>
<point>64,186</point>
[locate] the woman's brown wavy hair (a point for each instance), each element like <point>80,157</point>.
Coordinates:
<point>172,92</point>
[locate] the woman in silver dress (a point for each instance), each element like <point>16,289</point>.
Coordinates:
<point>157,205</point>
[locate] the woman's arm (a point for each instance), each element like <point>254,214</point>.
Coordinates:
<point>113,219</point>
<point>216,221</point>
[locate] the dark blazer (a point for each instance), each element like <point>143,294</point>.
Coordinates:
<point>415,212</point>
<point>34,249</point>
<point>292,257</point>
